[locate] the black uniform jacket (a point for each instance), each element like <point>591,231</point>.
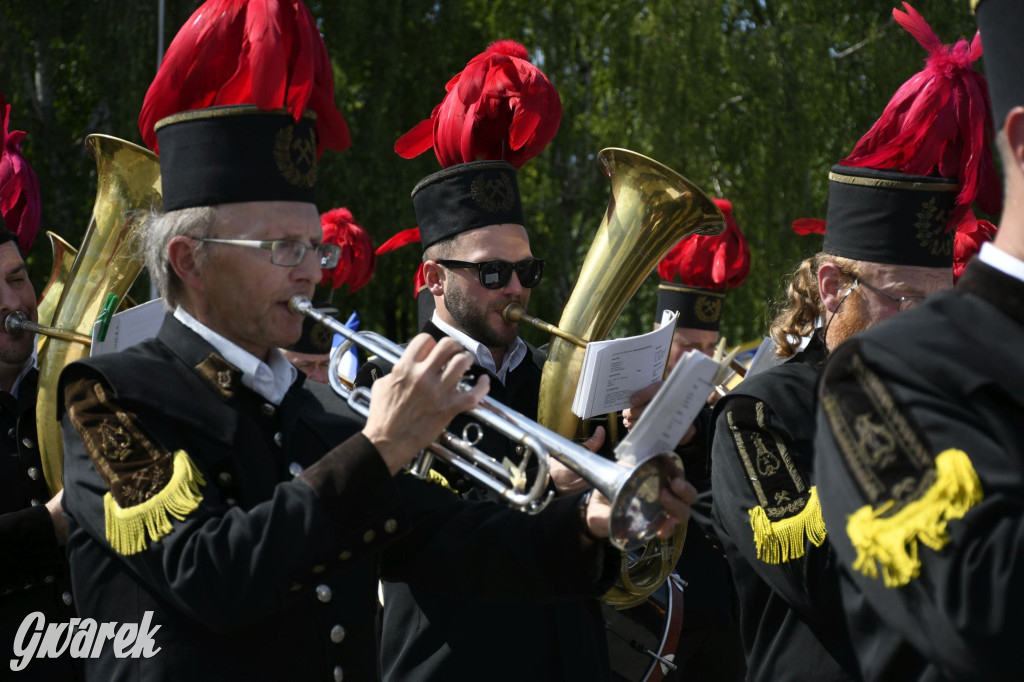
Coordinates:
<point>919,440</point>
<point>272,575</point>
<point>33,568</point>
<point>790,613</point>
<point>429,636</point>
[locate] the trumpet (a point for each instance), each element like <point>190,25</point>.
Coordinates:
<point>636,513</point>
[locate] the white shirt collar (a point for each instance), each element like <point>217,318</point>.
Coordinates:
<point>513,356</point>
<point>270,379</point>
<point>1000,260</point>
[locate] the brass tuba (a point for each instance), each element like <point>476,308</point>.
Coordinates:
<point>128,187</point>
<point>651,208</point>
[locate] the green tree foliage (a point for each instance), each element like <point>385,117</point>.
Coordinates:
<point>752,100</point>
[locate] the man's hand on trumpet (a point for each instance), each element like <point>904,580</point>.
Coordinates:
<point>412,405</point>
<point>676,499</point>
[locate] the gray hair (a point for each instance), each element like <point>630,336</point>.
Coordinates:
<point>160,228</point>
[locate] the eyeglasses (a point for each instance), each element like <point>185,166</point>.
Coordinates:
<point>904,302</point>
<point>494,274</point>
<point>288,253</point>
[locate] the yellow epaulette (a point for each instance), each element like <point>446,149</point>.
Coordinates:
<point>779,541</point>
<point>892,541</point>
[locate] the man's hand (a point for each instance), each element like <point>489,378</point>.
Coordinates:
<point>565,479</point>
<point>676,499</point>
<point>60,524</point>
<point>412,405</point>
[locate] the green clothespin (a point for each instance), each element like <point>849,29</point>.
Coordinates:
<point>109,306</point>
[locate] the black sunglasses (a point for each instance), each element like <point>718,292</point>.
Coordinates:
<point>494,274</point>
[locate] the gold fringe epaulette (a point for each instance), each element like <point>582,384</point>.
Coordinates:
<point>892,541</point>
<point>127,528</point>
<point>779,541</point>
<point>435,477</point>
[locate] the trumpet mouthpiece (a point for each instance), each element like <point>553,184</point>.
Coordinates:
<point>513,313</point>
<point>14,322</point>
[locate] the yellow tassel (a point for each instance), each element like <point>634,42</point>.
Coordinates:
<point>892,542</point>
<point>127,528</point>
<point>439,479</point>
<point>779,541</point>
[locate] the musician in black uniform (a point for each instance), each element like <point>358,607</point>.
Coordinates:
<point>919,448</point>
<point>888,244</point>
<point>33,569</point>
<point>477,260</point>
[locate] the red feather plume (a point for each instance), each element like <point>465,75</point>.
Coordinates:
<point>805,226</point>
<point>971,233</point>
<point>410,236</point>
<point>263,52</point>
<point>358,259</point>
<point>499,108</point>
<point>719,262</point>
<point>19,186</point>
<point>938,122</point>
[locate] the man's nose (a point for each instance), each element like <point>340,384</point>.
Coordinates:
<point>8,299</point>
<point>309,268</point>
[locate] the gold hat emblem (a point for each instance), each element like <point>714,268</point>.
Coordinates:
<point>493,193</point>
<point>707,308</point>
<point>295,156</point>
<point>931,229</point>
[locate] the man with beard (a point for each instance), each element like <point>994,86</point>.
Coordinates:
<point>888,244</point>
<point>476,260</point>
<point>919,448</point>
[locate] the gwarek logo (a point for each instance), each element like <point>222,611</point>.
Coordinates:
<point>81,638</point>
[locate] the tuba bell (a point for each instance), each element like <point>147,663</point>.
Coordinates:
<point>651,208</point>
<point>128,187</point>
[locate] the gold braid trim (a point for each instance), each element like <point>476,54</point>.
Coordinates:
<point>127,527</point>
<point>779,541</point>
<point>892,541</point>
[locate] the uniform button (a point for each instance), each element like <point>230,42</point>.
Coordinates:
<point>224,478</point>
<point>66,598</point>
<point>230,501</point>
<point>278,439</point>
<point>369,536</point>
<point>33,473</point>
<point>295,587</point>
<point>268,409</point>
<point>337,634</point>
<point>34,502</point>
<point>49,579</point>
<point>294,468</point>
<point>339,674</point>
<point>345,555</point>
<point>323,593</point>
<point>27,442</point>
<point>10,433</point>
<point>319,568</point>
<point>390,526</point>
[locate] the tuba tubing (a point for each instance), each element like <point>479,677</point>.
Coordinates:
<point>636,513</point>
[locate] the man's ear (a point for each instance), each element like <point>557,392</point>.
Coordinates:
<point>181,253</point>
<point>434,276</point>
<point>1014,128</point>
<point>830,287</point>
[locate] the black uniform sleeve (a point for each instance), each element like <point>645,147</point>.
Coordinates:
<point>764,510</point>
<point>923,490</point>
<point>137,485</point>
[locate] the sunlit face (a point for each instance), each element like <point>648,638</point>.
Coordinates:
<point>469,306</point>
<point>314,366</point>
<point>16,295</point>
<point>864,307</point>
<point>685,339</point>
<point>244,296</point>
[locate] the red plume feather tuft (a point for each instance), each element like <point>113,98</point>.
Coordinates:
<point>720,262</point>
<point>19,186</point>
<point>938,122</point>
<point>805,226</point>
<point>499,108</point>
<point>358,260</point>
<point>399,240</point>
<point>263,52</point>
<point>971,233</point>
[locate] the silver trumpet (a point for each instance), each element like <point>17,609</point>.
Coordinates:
<point>636,512</point>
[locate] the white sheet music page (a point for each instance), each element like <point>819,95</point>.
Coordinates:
<point>129,327</point>
<point>616,369</point>
<point>667,417</point>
